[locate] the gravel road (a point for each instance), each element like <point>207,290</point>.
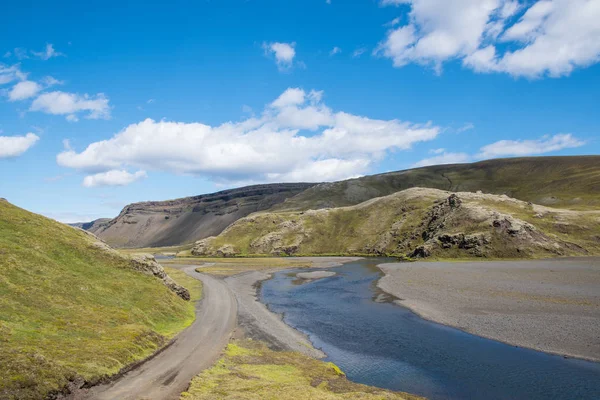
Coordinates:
<point>169,373</point>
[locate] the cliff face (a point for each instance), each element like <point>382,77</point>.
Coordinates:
<point>175,222</point>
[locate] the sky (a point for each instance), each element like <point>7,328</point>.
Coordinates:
<point>107,103</point>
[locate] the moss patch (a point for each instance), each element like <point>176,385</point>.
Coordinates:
<point>249,370</point>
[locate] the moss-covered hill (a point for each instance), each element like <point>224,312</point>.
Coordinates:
<point>567,182</point>
<point>71,309</point>
<point>415,222</point>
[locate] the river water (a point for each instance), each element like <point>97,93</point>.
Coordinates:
<point>382,344</point>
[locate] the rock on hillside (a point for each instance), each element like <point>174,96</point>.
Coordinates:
<point>416,222</point>
<point>174,222</point>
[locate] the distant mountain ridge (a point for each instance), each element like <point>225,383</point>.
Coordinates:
<point>91,226</point>
<point>179,221</point>
<point>571,182</point>
<point>568,182</point>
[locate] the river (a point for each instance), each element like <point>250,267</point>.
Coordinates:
<point>379,343</point>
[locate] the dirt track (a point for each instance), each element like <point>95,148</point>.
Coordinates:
<point>198,347</point>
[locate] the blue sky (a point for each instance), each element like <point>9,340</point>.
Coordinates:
<point>104,105</point>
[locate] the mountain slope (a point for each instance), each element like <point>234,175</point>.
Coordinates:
<point>415,222</point>
<point>92,226</point>
<point>568,182</point>
<point>73,309</point>
<point>174,222</point>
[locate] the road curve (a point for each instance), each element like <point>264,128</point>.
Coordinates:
<point>168,374</point>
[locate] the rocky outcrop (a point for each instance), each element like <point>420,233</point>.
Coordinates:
<point>146,263</point>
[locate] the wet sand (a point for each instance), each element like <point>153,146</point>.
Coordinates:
<point>548,305</point>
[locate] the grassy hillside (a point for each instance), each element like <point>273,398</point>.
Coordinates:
<point>70,309</point>
<point>250,371</point>
<point>567,182</point>
<point>416,223</point>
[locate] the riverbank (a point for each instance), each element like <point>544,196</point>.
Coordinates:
<point>548,305</point>
<point>256,321</point>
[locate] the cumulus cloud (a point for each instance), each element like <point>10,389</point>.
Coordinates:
<point>27,89</point>
<point>551,37</point>
<point>70,104</point>
<point>546,144</point>
<point>443,158</point>
<point>24,90</point>
<point>13,146</point>
<point>113,178</point>
<point>284,53</point>
<point>297,137</point>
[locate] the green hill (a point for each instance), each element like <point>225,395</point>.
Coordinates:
<point>567,182</point>
<point>416,222</point>
<point>72,309</point>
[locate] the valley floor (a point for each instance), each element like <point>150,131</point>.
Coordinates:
<point>548,305</point>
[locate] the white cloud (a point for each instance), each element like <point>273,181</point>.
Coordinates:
<point>437,151</point>
<point>291,97</point>
<point>271,147</point>
<point>51,81</point>
<point>113,178</point>
<point>62,103</point>
<point>444,158</point>
<point>359,52</point>
<point>552,37</point>
<point>335,50</point>
<point>10,74</point>
<point>284,53</point>
<point>27,89</point>
<point>47,53</point>
<point>24,90</point>
<point>546,144</point>
<point>466,127</point>
<point>12,146</point>
<point>393,22</point>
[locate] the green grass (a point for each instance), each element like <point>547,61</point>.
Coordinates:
<point>251,371</point>
<point>70,309</point>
